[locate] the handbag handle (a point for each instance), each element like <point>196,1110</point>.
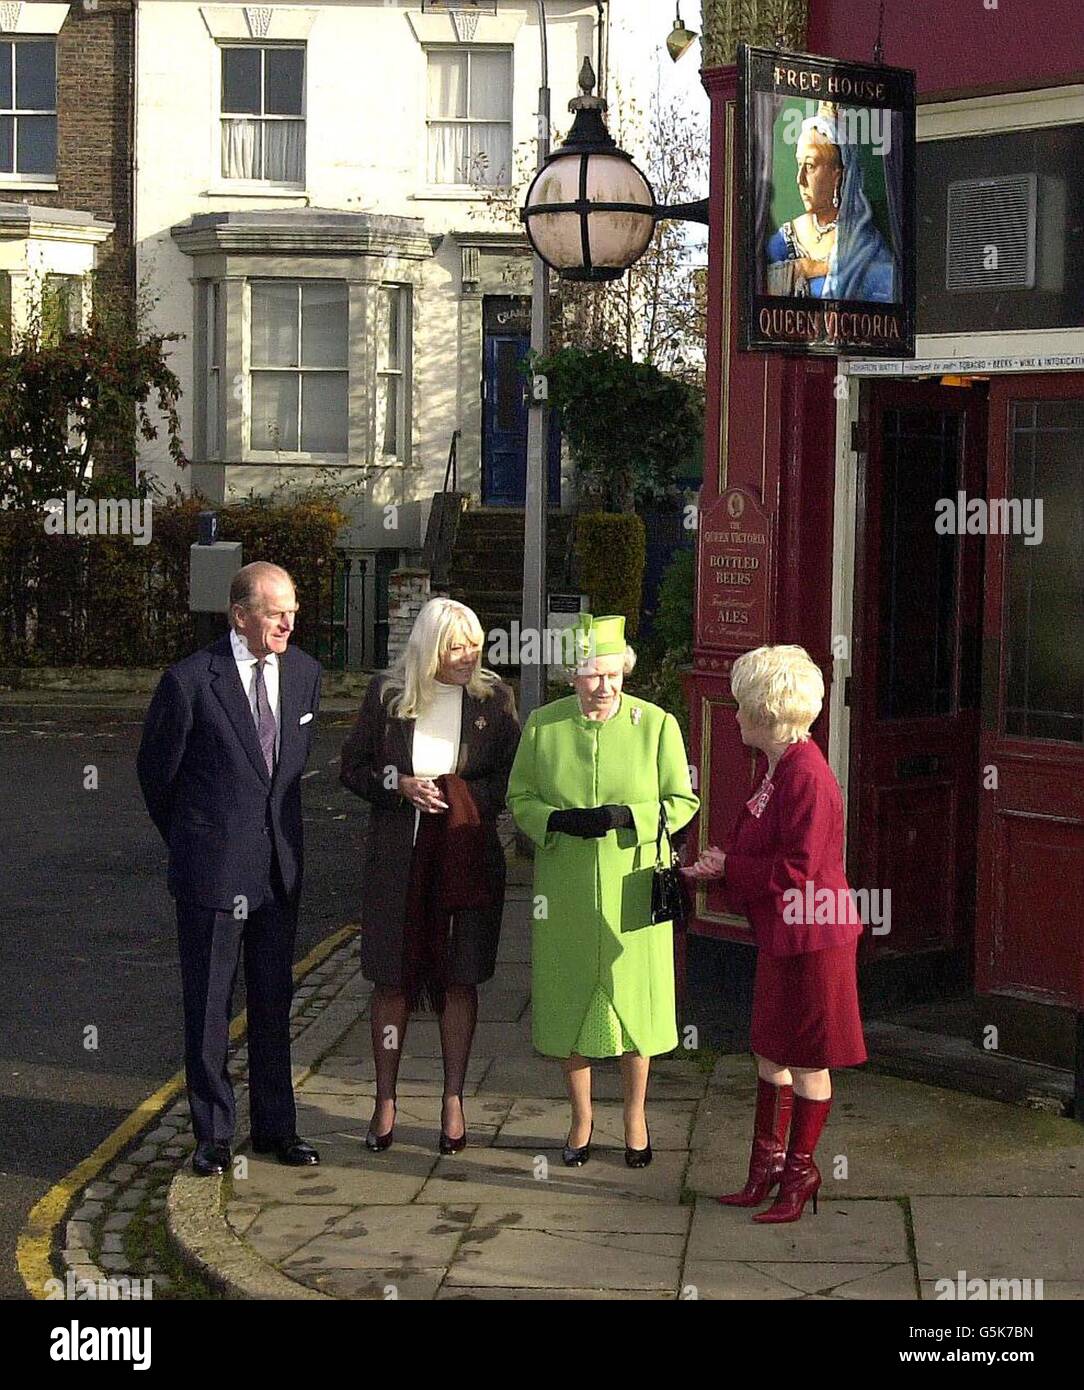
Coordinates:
<point>663,828</point>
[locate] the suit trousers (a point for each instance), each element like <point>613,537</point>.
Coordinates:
<point>211,944</point>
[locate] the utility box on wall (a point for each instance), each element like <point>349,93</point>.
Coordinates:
<point>210,573</point>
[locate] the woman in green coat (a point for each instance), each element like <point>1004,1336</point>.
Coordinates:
<point>586,786</point>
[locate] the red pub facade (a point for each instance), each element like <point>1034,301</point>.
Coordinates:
<point>954,659</point>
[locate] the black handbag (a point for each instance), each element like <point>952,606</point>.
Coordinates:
<point>667,899</point>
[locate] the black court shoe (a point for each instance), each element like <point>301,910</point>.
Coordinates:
<point>377,1143</point>
<point>448,1145</point>
<point>639,1158</point>
<point>576,1158</point>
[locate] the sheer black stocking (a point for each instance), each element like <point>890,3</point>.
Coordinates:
<point>457,1023</point>
<point>388,1018</point>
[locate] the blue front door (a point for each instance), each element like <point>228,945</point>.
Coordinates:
<point>504,425</point>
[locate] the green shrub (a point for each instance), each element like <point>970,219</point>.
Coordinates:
<point>611,551</point>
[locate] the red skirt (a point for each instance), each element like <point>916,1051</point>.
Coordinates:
<point>805,1009</point>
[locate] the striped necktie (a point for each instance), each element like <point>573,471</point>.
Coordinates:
<point>265,720</point>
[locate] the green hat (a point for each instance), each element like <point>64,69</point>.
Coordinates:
<point>593,637</point>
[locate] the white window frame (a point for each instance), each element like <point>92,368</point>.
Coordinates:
<point>214,345</point>
<point>401,296</point>
<point>14,176</point>
<point>220,179</point>
<point>250,450</point>
<point>474,189</point>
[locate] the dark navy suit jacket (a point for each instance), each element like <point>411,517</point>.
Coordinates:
<point>206,784</point>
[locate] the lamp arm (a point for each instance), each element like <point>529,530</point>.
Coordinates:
<point>684,212</point>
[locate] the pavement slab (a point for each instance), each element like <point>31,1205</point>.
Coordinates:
<point>616,1260</point>
<point>515,1176</point>
<point>542,1123</point>
<point>1000,1238</point>
<point>841,1232</point>
<point>382,1237</point>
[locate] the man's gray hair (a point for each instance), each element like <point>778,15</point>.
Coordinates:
<point>246,581</point>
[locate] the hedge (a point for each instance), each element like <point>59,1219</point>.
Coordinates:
<point>611,551</point>
<point>104,601</point>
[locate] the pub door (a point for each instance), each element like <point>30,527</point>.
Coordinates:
<point>914,689</point>
<point>1030,942</point>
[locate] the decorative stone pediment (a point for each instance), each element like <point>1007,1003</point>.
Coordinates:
<point>258,21</point>
<point>17,18</point>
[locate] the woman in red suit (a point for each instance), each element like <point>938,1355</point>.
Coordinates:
<point>783,868</point>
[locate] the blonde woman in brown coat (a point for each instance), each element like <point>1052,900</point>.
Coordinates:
<point>431,752</point>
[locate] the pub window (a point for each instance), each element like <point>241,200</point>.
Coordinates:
<point>998,242</point>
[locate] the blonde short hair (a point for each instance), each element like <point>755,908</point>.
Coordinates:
<point>781,689</point>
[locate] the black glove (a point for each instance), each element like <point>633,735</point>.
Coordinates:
<point>590,823</point>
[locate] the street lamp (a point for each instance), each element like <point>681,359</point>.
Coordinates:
<point>681,39</point>
<point>590,212</point>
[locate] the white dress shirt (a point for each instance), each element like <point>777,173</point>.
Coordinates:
<point>436,736</point>
<point>246,669</point>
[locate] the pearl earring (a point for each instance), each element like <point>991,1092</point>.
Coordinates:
<point>835,199</point>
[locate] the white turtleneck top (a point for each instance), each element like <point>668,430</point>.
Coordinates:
<point>436,736</point>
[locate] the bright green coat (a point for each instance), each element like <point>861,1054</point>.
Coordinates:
<point>592,908</point>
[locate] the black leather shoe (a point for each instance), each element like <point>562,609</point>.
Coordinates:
<point>212,1157</point>
<point>294,1152</point>
<point>639,1158</point>
<point>576,1158</point>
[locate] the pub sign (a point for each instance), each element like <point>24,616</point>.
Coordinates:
<point>828,259</point>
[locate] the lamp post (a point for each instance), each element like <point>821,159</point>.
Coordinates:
<point>590,214</point>
<point>533,676</point>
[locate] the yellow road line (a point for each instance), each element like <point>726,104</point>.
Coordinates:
<point>36,1240</point>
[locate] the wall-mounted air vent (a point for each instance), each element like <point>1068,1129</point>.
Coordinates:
<point>991,234</point>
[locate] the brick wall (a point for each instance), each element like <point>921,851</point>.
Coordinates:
<point>94,147</point>
<point>94,125</point>
<point>408,591</point>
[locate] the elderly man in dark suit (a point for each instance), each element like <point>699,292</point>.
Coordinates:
<point>225,741</point>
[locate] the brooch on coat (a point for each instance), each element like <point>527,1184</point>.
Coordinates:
<point>635,713</point>
<point>480,722</point>
<point>763,795</point>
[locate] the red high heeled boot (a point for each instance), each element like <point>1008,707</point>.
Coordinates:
<point>801,1178</point>
<point>769,1151</point>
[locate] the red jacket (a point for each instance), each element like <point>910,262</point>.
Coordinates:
<point>784,866</point>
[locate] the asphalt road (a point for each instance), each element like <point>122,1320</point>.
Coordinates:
<point>87,939</point>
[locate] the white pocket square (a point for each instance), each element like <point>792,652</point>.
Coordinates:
<point>304,719</point>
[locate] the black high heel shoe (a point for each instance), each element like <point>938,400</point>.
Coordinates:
<point>639,1158</point>
<point>576,1158</point>
<point>454,1146</point>
<point>377,1143</point>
